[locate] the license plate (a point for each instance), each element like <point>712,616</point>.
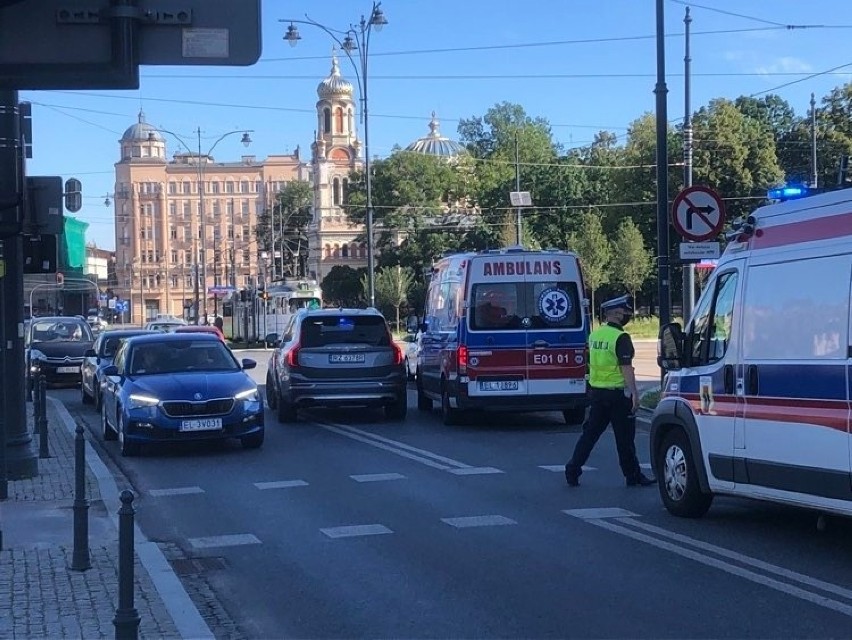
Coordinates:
<point>68,370</point>
<point>202,424</point>
<point>499,385</point>
<point>336,358</point>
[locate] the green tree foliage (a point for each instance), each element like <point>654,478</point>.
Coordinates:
<point>595,252</point>
<point>341,287</point>
<point>393,285</point>
<point>631,261</point>
<point>283,229</point>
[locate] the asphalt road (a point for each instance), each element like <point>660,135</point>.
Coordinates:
<point>348,525</point>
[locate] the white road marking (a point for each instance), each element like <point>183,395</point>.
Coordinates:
<point>646,465</point>
<point>601,512</point>
<point>377,477</point>
<point>233,540</point>
<point>559,468</point>
<point>475,471</point>
<point>478,521</point>
<point>797,592</point>
<point>281,484</point>
<point>395,443</point>
<point>380,445</point>
<point>356,530</point>
<point>177,491</point>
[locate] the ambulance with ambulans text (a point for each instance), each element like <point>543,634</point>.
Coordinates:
<point>758,392</point>
<point>505,330</point>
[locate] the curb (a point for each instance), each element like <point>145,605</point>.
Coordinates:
<point>176,600</point>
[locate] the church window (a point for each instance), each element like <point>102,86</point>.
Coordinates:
<point>336,253</point>
<point>345,251</point>
<point>335,192</point>
<point>363,251</point>
<point>326,120</point>
<point>338,120</point>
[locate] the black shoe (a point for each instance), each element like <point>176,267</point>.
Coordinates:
<point>571,478</point>
<point>641,481</point>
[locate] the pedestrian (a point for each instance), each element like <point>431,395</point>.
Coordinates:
<point>219,323</point>
<point>613,395</point>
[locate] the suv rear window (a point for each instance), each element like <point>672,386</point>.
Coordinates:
<point>321,331</point>
<point>502,306</point>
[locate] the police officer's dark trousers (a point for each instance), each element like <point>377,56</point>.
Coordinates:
<point>608,406</point>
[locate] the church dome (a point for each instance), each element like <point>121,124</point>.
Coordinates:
<point>334,85</point>
<point>141,130</point>
<point>435,144</point>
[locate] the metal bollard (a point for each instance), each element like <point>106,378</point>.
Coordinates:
<point>126,620</point>
<point>35,397</point>
<point>80,556</point>
<point>43,449</point>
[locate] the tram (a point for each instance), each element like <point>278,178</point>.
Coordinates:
<point>269,311</point>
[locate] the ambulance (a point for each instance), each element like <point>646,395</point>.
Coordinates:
<point>756,399</point>
<point>505,330</point>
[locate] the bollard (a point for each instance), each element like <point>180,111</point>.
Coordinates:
<point>35,397</point>
<point>126,618</point>
<point>80,556</point>
<point>43,450</point>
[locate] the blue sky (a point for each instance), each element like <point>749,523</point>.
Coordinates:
<point>585,65</point>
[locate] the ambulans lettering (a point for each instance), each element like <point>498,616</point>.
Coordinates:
<point>521,268</point>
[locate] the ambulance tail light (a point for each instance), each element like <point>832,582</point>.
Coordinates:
<point>461,359</point>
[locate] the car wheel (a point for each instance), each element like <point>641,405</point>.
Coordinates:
<point>128,449</point>
<point>449,415</point>
<point>424,403</point>
<point>576,415</point>
<point>286,411</point>
<point>253,441</point>
<point>84,397</point>
<point>107,432</point>
<point>397,410</point>
<point>408,373</point>
<point>271,395</point>
<point>679,487</point>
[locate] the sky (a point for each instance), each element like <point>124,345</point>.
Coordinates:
<point>584,65</point>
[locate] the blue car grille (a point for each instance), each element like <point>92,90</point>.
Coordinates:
<point>184,409</point>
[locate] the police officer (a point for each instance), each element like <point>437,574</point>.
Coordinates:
<point>613,394</point>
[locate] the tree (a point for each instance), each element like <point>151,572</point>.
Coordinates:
<point>631,261</point>
<point>282,230</point>
<point>595,252</point>
<point>341,287</point>
<point>392,288</point>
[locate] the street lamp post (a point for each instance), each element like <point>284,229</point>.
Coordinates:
<point>355,39</point>
<point>200,249</point>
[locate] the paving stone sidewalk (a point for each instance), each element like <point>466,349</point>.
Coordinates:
<point>40,596</point>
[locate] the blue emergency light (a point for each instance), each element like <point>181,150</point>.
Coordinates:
<point>789,192</point>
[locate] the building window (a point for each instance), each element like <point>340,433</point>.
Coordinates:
<point>214,187</point>
<point>186,187</point>
<point>258,208</point>
<point>187,257</point>
<point>187,209</point>
<point>229,186</point>
<point>246,232</point>
<point>335,191</point>
<point>174,256</point>
<point>326,120</point>
<point>174,282</point>
<point>199,233</point>
<point>217,208</point>
<point>217,233</point>
<point>172,187</point>
<point>363,251</point>
<point>258,186</point>
<point>247,281</point>
<point>173,209</point>
<point>327,251</point>
<point>244,186</point>
<point>246,258</point>
<point>231,232</point>
<point>244,207</point>
<point>187,234</point>
<point>173,232</point>
<point>336,253</point>
<point>345,251</point>
<point>229,207</point>
<point>338,119</point>
<point>188,282</point>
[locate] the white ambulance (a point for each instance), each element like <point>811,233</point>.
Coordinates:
<point>756,401</point>
<point>505,330</point>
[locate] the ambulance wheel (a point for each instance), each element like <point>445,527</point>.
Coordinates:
<point>575,415</point>
<point>424,403</point>
<point>449,415</point>
<point>679,486</point>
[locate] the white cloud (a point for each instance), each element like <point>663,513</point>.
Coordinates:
<point>786,64</point>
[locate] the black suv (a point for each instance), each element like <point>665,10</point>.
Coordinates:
<point>333,358</point>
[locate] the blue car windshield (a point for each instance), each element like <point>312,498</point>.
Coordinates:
<point>181,356</point>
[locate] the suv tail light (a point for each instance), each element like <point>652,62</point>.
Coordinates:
<point>398,356</point>
<point>461,359</point>
<point>293,356</point>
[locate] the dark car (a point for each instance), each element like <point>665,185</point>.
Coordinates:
<point>55,347</point>
<point>172,387</point>
<point>337,357</point>
<point>98,358</point>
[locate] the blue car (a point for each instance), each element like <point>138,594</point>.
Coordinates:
<point>179,387</point>
<point>98,358</point>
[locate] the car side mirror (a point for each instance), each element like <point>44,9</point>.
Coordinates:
<point>111,371</point>
<point>248,363</point>
<point>90,353</point>
<point>670,347</point>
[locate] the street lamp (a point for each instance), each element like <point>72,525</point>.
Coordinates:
<point>201,258</point>
<point>355,39</point>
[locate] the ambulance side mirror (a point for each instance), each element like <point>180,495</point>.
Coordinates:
<point>670,347</point>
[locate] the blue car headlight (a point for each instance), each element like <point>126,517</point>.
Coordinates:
<point>139,401</point>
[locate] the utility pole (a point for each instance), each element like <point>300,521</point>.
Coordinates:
<point>688,268</point>
<point>518,229</point>
<point>814,171</point>
<point>660,90</point>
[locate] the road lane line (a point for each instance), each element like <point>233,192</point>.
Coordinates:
<point>600,512</point>
<point>354,531</point>
<point>560,468</point>
<point>380,445</point>
<point>233,540</point>
<point>475,471</point>
<point>280,484</point>
<point>401,445</point>
<point>744,559</point>
<point>377,477</point>
<point>478,521</point>
<point>177,491</point>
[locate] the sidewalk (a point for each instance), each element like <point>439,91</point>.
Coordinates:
<point>40,597</point>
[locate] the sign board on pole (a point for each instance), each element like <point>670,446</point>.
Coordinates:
<point>698,213</point>
<point>111,303</point>
<point>697,251</point>
<point>520,198</point>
